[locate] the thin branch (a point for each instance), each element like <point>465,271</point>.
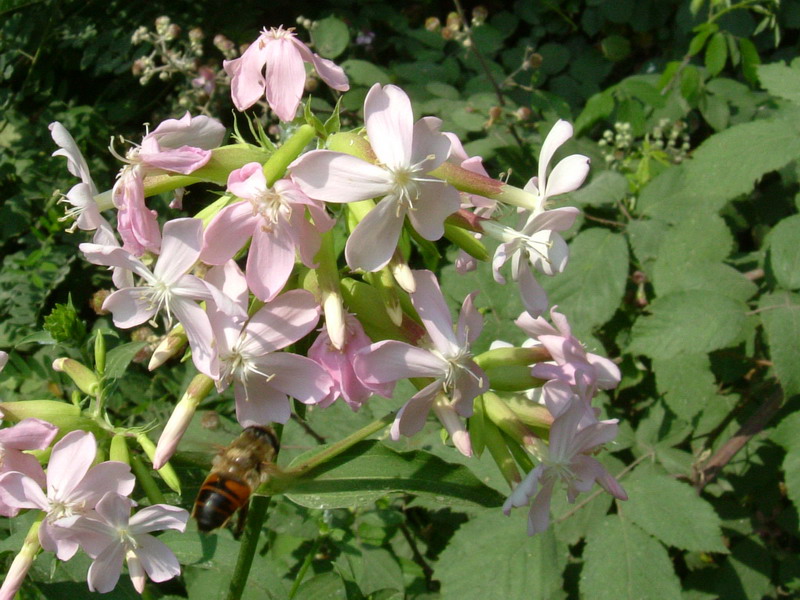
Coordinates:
<point>754,425</point>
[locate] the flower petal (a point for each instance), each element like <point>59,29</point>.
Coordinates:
<point>180,249</point>
<point>412,416</point>
<point>336,177</point>
<point>559,134</point>
<point>106,568</point>
<point>373,241</point>
<point>391,360</point>
<point>286,77</point>
<point>270,261</point>
<point>130,307</point>
<point>158,517</point>
<point>436,201</point>
<point>156,558</point>
<point>390,124</point>
<point>18,490</point>
<point>28,434</point>
<point>281,322</point>
<point>71,458</point>
<point>296,376</point>
<point>433,310</point>
<point>260,403</point>
<point>568,175</point>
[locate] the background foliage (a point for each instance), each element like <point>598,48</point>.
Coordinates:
<point>686,266</point>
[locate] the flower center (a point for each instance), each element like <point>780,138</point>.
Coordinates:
<point>270,206</point>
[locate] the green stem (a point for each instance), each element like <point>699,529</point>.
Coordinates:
<point>247,549</point>
<point>339,447</point>
<point>306,564</point>
<point>275,167</point>
<point>146,480</point>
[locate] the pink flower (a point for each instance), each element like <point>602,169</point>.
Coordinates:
<point>583,371</point>
<point>406,152</point>
<point>275,219</point>
<point>83,197</point>
<point>247,352</point>
<point>167,288</point>
<point>536,242</point>
<point>28,434</point>
<point>282,55</point>
<point>566,458</point>
<point>339,365</point>
<point>110,535</point>
<point>178,146</point>
<point>73,488</point>
<point>457,379</point>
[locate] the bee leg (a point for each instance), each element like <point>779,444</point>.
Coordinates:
<point>241,520</point>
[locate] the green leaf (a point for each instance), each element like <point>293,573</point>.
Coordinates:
<point>370,470</point>
<point>598,107</point>
<point>699,40</point>
<point>671,511</point>
<point>746,573</point>
<point>645,238</point>
<point>591,287</point>
<point>780,315</point>
<point>330,37</point>
<point>326,586</point>
<point>696,237</point>
<point>501,561</point>
<point>784,252</point>
<point>622,562</point>
<point>615,47</point>
<point>750,60</point>
<point>781,80</point>
<point>693,321</point>
<point>686,383</point>
<point>607,187</point>
<point>716,53</point>
<point>118,359</point>
<point>362,72</point>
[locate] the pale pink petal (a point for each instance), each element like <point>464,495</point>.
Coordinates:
<point>568,175</point>
<point>180,248</point>
<point>269,262</point>
<point>115,508</point>
<point>607,373</point>
<point>470,321</point>
<point>228,232</point>
<point>297,376</point>
<point>14,460</point>
<point>558,219</point>
<point>533,295</point>
<point>372,243</point>
<point>390,124</point>
<point>524,491</point>
<point>92,535</point>
<point>455,427</point>
<point>281,322</point>
<point>28,434</point>
<point>76,164</point>
<point>105,570</point>
<point>535,326</point>
<point>336,177</point>
<point>391,360</point>
<point>331,73</point>
<point>130,307</point>
<point>105,477</point>
<point>430,147</point>
<point>157,518</point>
<point>114,256</point>
<point>56,539</point>
<point>17,490</point>
<point>136,572</point>
<point>156,558</point>
<point>501,255</point>
<point>539,515</point>
<point>198,331</point>
<point>285,77</point>
<point>436,201</point>
<point>184,160</point>
<point>247,80</point>
<point>559,134</point>
<point>200,132</point>
<point>71,458</point>
<point>229,279</point>
<point>260,403</point>
<point>433,310</point>
<point>248,181</point>
<point>412,416</point>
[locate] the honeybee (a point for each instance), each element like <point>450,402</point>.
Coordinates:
<point>235,472</point>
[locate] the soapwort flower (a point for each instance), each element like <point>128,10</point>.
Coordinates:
<point>275,218</point>
<point>272,66</point>
<point>28,434</point>
<point>167,288</point>
<point>247,352</point>
<point>74,487</point>
<point>567,459</point>
<point>406,153</point>
<point>536,245</point>
<point>457,379</point>
<point>110,535</point>
<point>176,145</point>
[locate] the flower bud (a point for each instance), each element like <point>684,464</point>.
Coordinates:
<point>172,345</point>
<point>84,378</point>
<point>498,412</point>
<point>22,562</point>
<point>100,353</point>
<point>167,472</point>
<point>176,426</point>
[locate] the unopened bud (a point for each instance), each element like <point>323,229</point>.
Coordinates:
<point>172,345</point>
<point>84,378</point>
<point>22,562</point>
<point>96,303</point>
<point>523,113</point>
<point>172,32</point>
<point>196,34</point>
<point>498,412</point>
<point>433,24</point>
<point>454,425</point>
<point>176,426</point>
<point>403,276</point>
<point>334,319</point>
<point>479,15</point>
<point>162,23</point>
<point>166,471</point>
<point>535,61</point>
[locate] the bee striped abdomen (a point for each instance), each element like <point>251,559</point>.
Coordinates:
<point>220,496</point>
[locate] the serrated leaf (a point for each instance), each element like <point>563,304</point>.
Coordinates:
<point>671,511</point>
<point>370,470</point>
<point>622,562</point>
<point>598,107</point>
<point>780,315</point>
<point>686,383</point>
<point>502,561</point>
<point>326,586</point>
<point>118,359</point>
<point>784,252</point>
<point>693,321</point>
<point>591,287</point>
<point>645,238</point>
<point>781,80</point>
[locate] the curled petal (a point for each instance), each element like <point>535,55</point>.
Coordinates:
<point>568,175</point>
<point>557,136</point>
<point>412,416</point>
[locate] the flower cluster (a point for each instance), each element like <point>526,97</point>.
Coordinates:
<point>383,321</point>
